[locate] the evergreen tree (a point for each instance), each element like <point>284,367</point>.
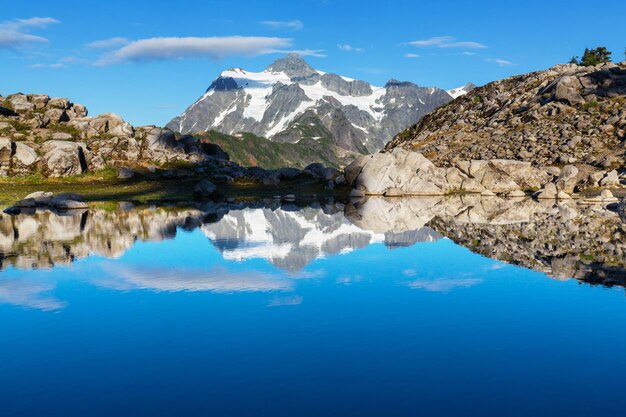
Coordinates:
<point>574,60</point>
<point>593,57</point>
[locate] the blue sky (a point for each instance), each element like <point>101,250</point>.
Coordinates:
<point>148,60</point>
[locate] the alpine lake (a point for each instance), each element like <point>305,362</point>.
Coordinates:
<point>458,306</point>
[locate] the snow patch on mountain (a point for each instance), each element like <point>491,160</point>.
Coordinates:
<point>460,91</point>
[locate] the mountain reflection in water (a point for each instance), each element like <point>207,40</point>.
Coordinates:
<point>561,239</point>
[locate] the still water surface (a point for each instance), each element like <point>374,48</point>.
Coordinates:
<point>282,312</point>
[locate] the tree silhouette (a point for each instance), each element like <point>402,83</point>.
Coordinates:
<point>593,57</point>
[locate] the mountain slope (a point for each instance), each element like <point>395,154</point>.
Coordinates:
<point>247,149</point>
<point>289,92</point>
<point>563,115</point>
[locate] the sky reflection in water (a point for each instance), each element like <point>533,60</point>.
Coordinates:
<point>183,327</point>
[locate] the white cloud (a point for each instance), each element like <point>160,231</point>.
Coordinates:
<point>29,293</point>
<point>161,49</point>
<point>468,53</point>
<point>14,33</point>
<point>412,56</point>
<point>317,53</point>
<point>349,48</point>
<point>444,285</point>
<point>125,278</point>
<point>447,42</point>
<point>56,65</point>
<point>283,24</point>
<point>62,63</point>
<point>108,43</point>
<point>501,62</point>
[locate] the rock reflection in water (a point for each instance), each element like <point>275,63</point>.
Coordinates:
<point>566,239</point>
<point>561,239</point>
<point>289,237</point>
<point>45,239</point>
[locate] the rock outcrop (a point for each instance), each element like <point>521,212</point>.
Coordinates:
<point>405,173</point>
<point>567,114</point>
<point>55,138</point>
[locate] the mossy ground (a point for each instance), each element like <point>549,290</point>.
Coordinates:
<point>105,187</point>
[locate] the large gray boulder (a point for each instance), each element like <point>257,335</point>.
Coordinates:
<point>62,158</point>
<point>567,90</point>
<point>20,103</point>
<point>402,172</point>
<point>160,139</point>
<point>567,180</point>
<point>5,154</point>
<point>24,155</point>
<point>205,189</point>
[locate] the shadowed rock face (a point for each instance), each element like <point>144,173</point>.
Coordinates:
<point>561,239</point>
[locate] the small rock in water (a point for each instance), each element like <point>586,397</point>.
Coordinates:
<point>393,192</point>
<point>26,203</point>
<point>12,211</point>
<point>40,194</point>
<point>205,188</point>
<point>62,204</point>
<point>548,192</point>
<point>125,173</point>
<point>516,194</point>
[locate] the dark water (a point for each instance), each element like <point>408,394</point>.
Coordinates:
<point>285,312</point>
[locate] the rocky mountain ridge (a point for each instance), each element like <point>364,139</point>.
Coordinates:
<point>551,133</point>
<point>567,114</point>
<point>290,101</point>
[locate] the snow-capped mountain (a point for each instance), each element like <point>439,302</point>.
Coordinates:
<point>292,239</point>
<point>290,100</point>
<point>460,91</point>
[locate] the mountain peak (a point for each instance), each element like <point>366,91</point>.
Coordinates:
<point>293,65</point>
<point>396,83</point>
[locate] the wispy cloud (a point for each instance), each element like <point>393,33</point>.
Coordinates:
<point>14,34</point>
<point>316,53</point>
<point>28,293</point>
<point>162,49</point>
<point>55,65</point>
<point>468,53</point>
<point>62,63</point>
<point>500,62</point>
<point>411,56</point>
<point>447,42</point>
<point>285,301</point>
<point>444,285</point>
<point>349,48</point>
<point>283,24</point>
<point>108,43</point>
<point>126,278</point>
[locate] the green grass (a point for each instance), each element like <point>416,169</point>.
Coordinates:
<point>105,188</point>
<point>590,105</point>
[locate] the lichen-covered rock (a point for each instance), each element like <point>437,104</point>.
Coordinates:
<point>62,158</point>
